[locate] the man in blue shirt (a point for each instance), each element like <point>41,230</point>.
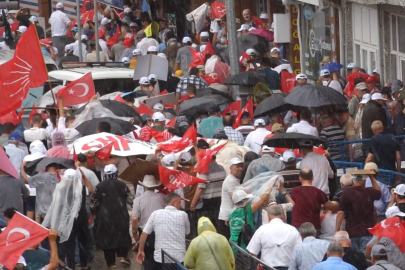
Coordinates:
<point>334,261</point>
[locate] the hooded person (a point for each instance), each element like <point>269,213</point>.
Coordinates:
<point>209,250</point>
<point>59,147</point>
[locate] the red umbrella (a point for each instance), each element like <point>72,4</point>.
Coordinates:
<point>263,33</point>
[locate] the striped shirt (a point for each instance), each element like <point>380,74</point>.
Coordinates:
<point>330,134</point>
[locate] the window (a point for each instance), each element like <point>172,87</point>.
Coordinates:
<point>397,47</point>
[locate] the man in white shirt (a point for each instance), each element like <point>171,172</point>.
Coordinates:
<point>60,23</point>
<point>145,42</point>
<point>75,45</point>
<point>171,227</point>
<point>275,240</point>
<point>326,79</point>
<point>16,155</point>
<point>304,125</point>
<point>37,132</point>
<point>255,138</point>
<point>319,165</point>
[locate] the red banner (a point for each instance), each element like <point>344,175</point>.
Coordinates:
<point>177,179</point>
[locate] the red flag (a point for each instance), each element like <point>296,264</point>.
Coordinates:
<point>189,138</point>
<point>211,79</point>
<point>84,6</point>
<point>160,136</point>
<point>233,108</point>
<point>164,92</point>
<point>34,111</point>
<point>13,26</point>
<point>79,91</point>
<point>143,108</point>
<point>257,22</point>
<point>26,70</point>
<point>19,235</point>
<point>120,15</point>
<point>101,32</point>
<point>287,81</point>
<point>218,9</point>
<point>11,117</point>
<point>204,158</point>
<point>248,108</point>
<point>103,153</point>
<point>243,58</point>
<point>74,154</point>
<point>393,228</point>
<point>172,123</point>
<point>199,57</point>
<point>119,98</point>
<point>177,179</point>
<point>128,40</point>
<point>114,39</point>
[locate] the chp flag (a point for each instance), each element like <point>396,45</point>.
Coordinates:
<point>248,108</point>
<point>78,92</point>
<point>204,158</point>
<point>173,179</point>
<point>19,235</point>
<point>26,70</point>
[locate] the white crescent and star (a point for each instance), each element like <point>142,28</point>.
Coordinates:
<point>86,89</point>
<point>18,230</point>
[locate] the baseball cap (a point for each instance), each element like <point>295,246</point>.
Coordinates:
<point>125,59</point>
<point>144,81</point>
<point>301,77</point>
<point>69,48</point>
<point>60,5</point>
<point>325,72</point>
<point>14,137</point>
<point>251,52</point>
<point>288,156</point>
<point>219,133</point>
<point>259,122</point>
<point>152,49</point>
<point>179,73</point>
<point>378,250</point>
<point>127,10</point>
<point>365,99</point>
<point>158,107</point>
<point>186,39</point>
<point>240,195</point>
<point>162,55</point>
<point>22,29</point>
<point>132,24</point>
<point>185,157</point>
<point>104,21</point>
<point>268,149</point>
<point>361,86</point>
<point>202,144</point>
<point>74,29</point>
<point>84,37</point>
<point>351,66</point>
<point>377,96</point>
<point>277,127</point>
<point>152,77</point>
<point>235,161</point>
<point>169,160</point>
<point>275,49</point>
<point>396,86</point>
<point>371,166</point>
<point>158,117</point>
<point>146,117</point>
<point>264,16</point>
<point>394,211</point>
<point>243,27</point>
<point>136,52</point>
<point>214,109</point>
<point>376,71</point>
<point>33,19</point>
<point>252,28</point>
<point>110,168</point>
<point>204,34</point>
<point>400,190</point>
<point>193,45</point>
<point>305,143</point>
<point>202,48</point>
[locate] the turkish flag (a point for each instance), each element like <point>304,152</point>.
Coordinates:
<point>199,57</point>
<point>143,108</point>
<point>114,39</point>
<point>164,92</point>
<point>393,228</point>
<point>26,70</point>
<point>189,138</point>
<point>128,40</point>
<point>248,108</point>
<point>287,81</point>
<point>204,158</point>
<point>13,26</point>
<point>172,123</point>
<point>173,179</point>
<point>243,58</point>
<point>233,108</point>
<point>11,117</point>
<point>78,92</point>
<point>218,9</point>
<point>20,234</point>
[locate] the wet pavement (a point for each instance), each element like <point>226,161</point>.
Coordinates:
<point>98,262</point>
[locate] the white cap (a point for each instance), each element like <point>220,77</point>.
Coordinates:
<point>84,37</point>
<point>152,77</point>
<point>186,40</point>
<point>169,160</point>
<point>288,156</point>
<point>243,27</point>
<point>376,71</point>
<point>377,96</point>
<point>202,47</point>
<point>60,5</point>
<point>22,29</point>
<point>136,52</point>
<point>162,55</point>
<point>158,107</point>
<point>240,195</point>
<point>33,19</point>
<point>152,49</point>
<point>110,168</point>
<point>193,45</point>
<point>275,49</point>
<point>251,52</point>
<point>371,166</point>
<point>394,211</point>
<point>268,149</point>
<point>144,80</point>
<point>185,157</point>
<point>125,59</point>
<point>264,16</point>
<point>69,47</point>
<point>400,190</point>
<point>133,24</point>
<point>204,34</point>
<point>325,72</point>
<point>365,99</point>
<point>127,10</point>
<point>301,77</point>
<point>259,122</point>
<point>105,20</point>
<point>235,161</point>
<point>158,117</point>
<point>351,66</point>
<point>252,28</point>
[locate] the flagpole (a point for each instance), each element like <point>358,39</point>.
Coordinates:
<point>96,26</point>
<point>79,28</point>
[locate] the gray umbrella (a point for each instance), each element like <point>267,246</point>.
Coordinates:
<point>315,96</point>
<point>200,105</point>
<point>248,78</point>
<point>274,103</point>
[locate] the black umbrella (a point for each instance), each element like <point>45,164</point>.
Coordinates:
<point>118,126</point>
<point>211,91</point>
<point>290,140</point>
<point>308,95</point>
<point>274,103</point>
<point>248,78</point>
<point>118,108</point>
<point>199,105</point>
<point>33,167</point>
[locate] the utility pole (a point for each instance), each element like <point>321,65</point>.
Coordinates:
<point>232,40</point>
<point>96,26</point>
<point>79,28</point>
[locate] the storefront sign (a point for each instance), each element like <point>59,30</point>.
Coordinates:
<point>295,49</point>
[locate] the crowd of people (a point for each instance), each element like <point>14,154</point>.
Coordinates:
<point>297,218</point>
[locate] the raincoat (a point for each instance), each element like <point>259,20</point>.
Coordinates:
<point>209,250</point>
<point>59,147</point>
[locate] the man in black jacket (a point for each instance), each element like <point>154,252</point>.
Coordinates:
<point>373,112</point>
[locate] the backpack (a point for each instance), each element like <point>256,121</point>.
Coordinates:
<point>247,232</point>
